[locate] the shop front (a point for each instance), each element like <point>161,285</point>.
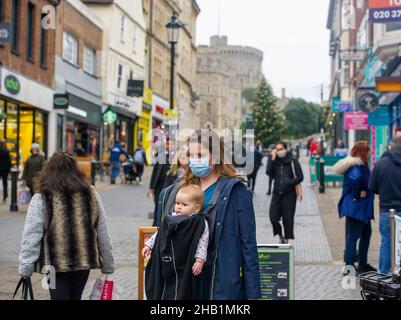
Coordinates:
<point>24,110</point>
<point>120,128</point>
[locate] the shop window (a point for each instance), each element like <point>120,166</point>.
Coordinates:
<point>122,28</point>
<point>14,26</point>
<point>11,130</point>
<point>89,60</point>
<point>70,48</point>
<point>30,30</point>
<point>2,119</point>
<point>43,44</point>
<point>395,26</point>
<point>82,140</point>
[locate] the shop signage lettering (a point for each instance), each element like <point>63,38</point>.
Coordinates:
<point>135,88</point>
<point>335,104</point>
<point>345,106</point>
<point>120,102</point>
<point>356,121</point>
<point>384,11</point>
<point>60,101</point>
<point>77,111</point>
<point>352,56</point>
<point>12,84</point>
<point>5,33</point>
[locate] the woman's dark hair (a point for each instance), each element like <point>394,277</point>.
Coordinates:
<point>61,173</point>
<point>284,144</point>
<point>361,149</point>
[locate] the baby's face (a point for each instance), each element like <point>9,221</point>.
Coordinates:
<point>185,204</point>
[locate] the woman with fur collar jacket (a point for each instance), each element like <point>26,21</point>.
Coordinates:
<point>356,204</point>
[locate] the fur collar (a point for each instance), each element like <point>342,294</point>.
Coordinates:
<point>342,166</point>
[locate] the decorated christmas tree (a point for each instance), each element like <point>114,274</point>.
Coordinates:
<point>268,122</point>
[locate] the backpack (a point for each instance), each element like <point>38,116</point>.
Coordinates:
<point>138,157</point>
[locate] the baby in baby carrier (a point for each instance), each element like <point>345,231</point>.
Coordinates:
<point>178,251</point>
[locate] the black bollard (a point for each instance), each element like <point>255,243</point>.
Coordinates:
<point>321,176</point>
<point>93,172</point>
<point>14,186</point>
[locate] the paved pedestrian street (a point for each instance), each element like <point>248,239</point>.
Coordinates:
<point>317,276</point>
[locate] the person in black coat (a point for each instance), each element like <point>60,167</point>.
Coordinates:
<point>281,167</point>
<point>5,167</point>
<point>258,157</point>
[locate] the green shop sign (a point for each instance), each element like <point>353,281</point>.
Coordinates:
<point>12,84</point>
<point>109,116</point>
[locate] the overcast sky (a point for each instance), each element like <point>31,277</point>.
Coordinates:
<point>291,33</point>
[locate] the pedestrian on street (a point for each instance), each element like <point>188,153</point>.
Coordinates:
<point>309,145</point>
<point>385,181</point>
<point>269,154</point>
<point>356,205</point>
<point>257,163</point>
<point>159,179</point>
<point>287,174</point>
<point>188,230</point>
<point>115,154</point>
<point>231,271</point>
<point>140,160</point>
<point>66,229</point>
<point>33,166</point>
<point>5,167</point>
<point>397,134</point>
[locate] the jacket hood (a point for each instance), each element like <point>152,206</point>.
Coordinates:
<point>396,157</point>
<point>342,166</point>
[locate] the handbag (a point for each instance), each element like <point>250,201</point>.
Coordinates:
<point>104,289</point>
<point>27,291</point>
<point>24,196</point>
<point>298,187</point>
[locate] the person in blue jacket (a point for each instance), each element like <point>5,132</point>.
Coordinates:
<point>357,205</point>
<point>114,159</point>
<point>231,271</point>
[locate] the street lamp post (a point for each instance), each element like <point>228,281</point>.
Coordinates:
<point>173,32</point>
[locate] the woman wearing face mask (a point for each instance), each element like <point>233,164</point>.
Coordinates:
<point>287,173</point>
<point>231,271</point>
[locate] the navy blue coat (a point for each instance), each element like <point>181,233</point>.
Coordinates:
<point>356,180</point>
<point>235,270</point>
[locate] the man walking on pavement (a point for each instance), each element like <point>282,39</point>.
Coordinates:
<point>258,158</point>
<point>114,159</point>
<point>140,160</point>
<point>5,167</point>
<point>385,181</point>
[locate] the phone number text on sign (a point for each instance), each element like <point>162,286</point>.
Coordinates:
<point>385,15</point>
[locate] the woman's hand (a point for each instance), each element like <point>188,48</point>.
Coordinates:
<point>274,154</point>
<point>150,194</point>
<point>197,267</point>
<point>146,251</point>
<point>363,194</point>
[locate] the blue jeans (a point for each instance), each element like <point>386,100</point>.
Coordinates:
<point>385,247</point>
<point>115,170</point>
<point>357,230</point>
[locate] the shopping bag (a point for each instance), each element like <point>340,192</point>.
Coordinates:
<point>104,289</point>
<point>27,291</point>
<point>24,197</point>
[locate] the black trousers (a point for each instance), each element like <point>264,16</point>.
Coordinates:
<point>252,180</point>
<point>4,176</point>
<point>270,184</point>
<point>283,207</point>
<point>69,285</point>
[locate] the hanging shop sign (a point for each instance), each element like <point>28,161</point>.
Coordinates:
<point>384,11</point>
<point>12,84</point>
<point>335,104</point>
<point>109,116</point>
<point>356,121</point>
<point>388,84</point>
<point>352,56</point>
<point>5,33</point>
<point>135,88</point>
<point>77,112</point>
<point>368,102</point>
<point>345,106</point>
<point>379,117</point>
<point>61,101</point>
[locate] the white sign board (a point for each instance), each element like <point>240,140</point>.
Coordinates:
<point>397,247</point>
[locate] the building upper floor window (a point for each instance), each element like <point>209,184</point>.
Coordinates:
<point>30,30</point>
<point>134,38</point>
<point>122,28</point>
<point>14,25</point>
<point>43,44</point>
<point>1,10</point>
<point>89,60</point>
<point>70,48</point>
<point>119,76</point>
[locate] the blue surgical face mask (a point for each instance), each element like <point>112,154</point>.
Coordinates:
<point>200,167</point>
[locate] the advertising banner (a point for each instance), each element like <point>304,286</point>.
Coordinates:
<point>384,11</point>
<point>356,121</point>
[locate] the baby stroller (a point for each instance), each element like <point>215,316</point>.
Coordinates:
<point>130,171</point>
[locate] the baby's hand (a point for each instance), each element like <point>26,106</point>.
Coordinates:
<point>197,267</point>
<point>146,252</point>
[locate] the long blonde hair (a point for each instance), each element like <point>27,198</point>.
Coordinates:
<point>176,164</point>
<point>208,138</point>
